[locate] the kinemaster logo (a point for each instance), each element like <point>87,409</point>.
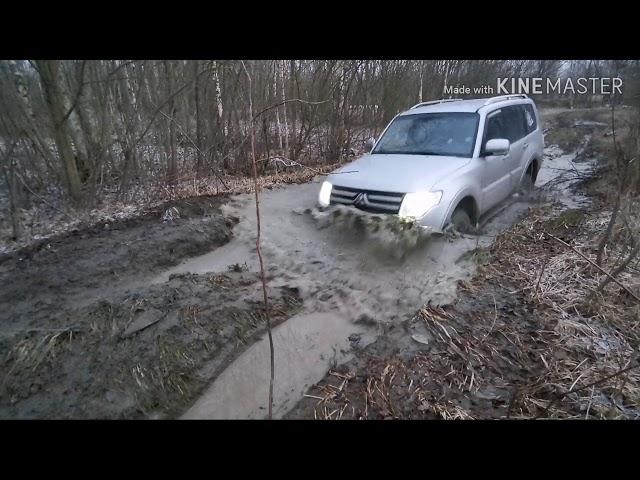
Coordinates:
<point>542,86</point>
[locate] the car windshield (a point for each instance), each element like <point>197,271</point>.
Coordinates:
<point>451,134</point>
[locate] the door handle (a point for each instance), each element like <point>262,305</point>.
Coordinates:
<point>525,145</point>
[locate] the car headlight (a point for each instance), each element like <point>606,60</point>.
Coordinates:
<point>325,194</point>
<point>417,204</point>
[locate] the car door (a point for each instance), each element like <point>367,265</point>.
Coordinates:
<point>532,141</point>
<point>516,133</point>
<point>496,181</point>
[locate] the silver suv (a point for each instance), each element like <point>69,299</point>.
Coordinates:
<point>444,162</point>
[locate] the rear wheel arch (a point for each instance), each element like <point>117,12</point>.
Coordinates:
<point>533,168</point>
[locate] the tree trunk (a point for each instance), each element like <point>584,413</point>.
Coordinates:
<point>198,119</point>
<point>216,80</point>
<point>49,80</point>
<point>421,81</point>
<point>275,96</point>
<point>172,162</point>
<point>71,105</point>
<point>284,108</point>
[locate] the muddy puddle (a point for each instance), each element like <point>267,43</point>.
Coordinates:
<point>301,356</point>
<point>560,172</point>
<point>351,289</point>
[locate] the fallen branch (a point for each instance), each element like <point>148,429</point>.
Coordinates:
<point>293,163</point>
<point>592,384</point>
<point>621,267</point>
<point>613,279</point>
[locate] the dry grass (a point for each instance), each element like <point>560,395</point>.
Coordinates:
<point>590,334</point>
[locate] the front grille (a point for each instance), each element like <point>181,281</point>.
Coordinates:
<point>368,200</point>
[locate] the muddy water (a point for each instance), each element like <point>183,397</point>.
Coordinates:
<point>560,172</point>
<point>350,288</point>
<point>241,391</point>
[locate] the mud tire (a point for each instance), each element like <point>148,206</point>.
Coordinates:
<point>527,186</point>
<point>461,221</point>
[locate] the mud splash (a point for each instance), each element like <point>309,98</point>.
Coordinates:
<point>350,289</point>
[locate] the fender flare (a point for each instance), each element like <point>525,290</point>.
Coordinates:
<point>466,192</point>
<point>528,163</point>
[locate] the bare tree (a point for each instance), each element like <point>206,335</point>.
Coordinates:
<point>92,126</point>
<point>50,80</point>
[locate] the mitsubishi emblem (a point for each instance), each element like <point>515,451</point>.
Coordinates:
<point>360,200</point>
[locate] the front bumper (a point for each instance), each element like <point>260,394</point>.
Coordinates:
<point>435,218</point>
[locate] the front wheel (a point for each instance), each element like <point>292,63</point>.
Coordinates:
<point>461,221</point>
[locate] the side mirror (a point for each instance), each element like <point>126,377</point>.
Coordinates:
<point>369,144</point>
<point>497,146</point>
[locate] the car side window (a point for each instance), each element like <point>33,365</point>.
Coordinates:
<point>496,127</point>
<point>530,118</point>
<point>515,123</point>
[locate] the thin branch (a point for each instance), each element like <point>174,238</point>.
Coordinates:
<point>41,198</point>
<point>171,119</point>
<point>9,151</point>
<point>276,105</point>
<point>595,265</point>
<point>634,252</point>
<point>256,190</point>
<point>165,102</point>
<point>592,384</point>
<point>292,163</point>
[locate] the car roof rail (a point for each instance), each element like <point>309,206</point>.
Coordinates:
<point>502,98</point>
<point>433,102</point>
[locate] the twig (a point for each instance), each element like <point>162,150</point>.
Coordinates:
<point>495,319</point>
<point>586,415</point>
<point>544,266</point>
<point>41,198</point>
<point>621,267</point>
<point>256,190</point>
<point>276,105</point>
<point>171,119</point>
<point>293,163</point>
<point>592,384</point>
<point>165,102</point>
<point>595,265</point>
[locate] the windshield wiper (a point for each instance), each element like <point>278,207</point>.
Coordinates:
<point>396,152</point>
<point>429,153</point>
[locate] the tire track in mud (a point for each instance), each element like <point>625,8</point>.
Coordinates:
<point>353,288</point>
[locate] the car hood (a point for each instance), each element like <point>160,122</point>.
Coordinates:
<point>396,173</point>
